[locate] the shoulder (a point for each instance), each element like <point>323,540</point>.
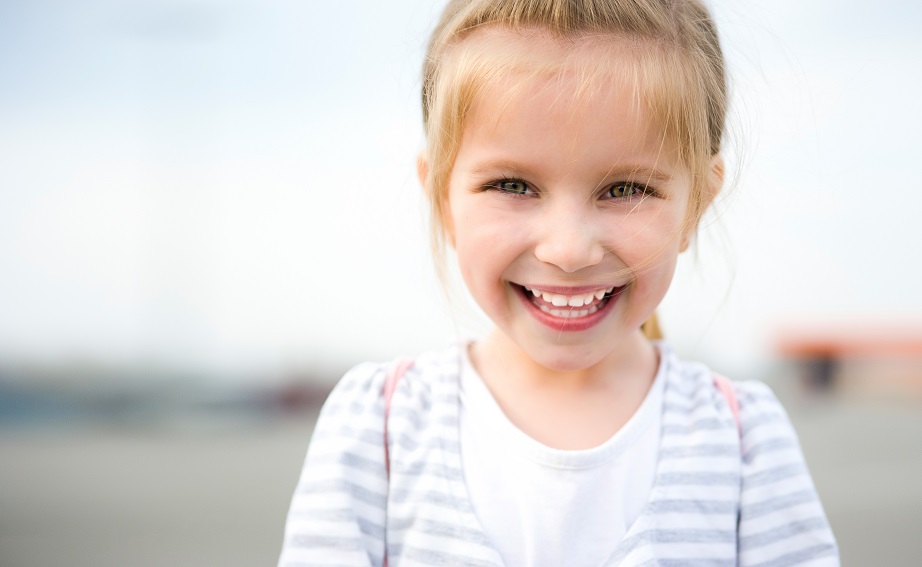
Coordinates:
<point>346,450</point>
<point>696,382</point>
<point>764,423</point>
<point>691,389</point>
<point>781,519</point>
<point>358,397</point>
<point>764,426</point>
<point>365,381</point>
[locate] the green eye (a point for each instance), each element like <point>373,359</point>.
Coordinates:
<point>513,186</point>
<point>625,190</point>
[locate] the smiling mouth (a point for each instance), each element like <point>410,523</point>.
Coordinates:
<point>572,306</point>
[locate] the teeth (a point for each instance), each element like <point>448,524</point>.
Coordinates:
<point>588,300</point>
<point>555,299</point>
<point>569,313</point>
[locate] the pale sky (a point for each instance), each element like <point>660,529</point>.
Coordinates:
<point>227,185</point>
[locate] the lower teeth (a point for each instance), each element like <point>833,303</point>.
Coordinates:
<point>569,313</point>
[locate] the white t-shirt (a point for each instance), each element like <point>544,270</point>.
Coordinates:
<point>549,507</point>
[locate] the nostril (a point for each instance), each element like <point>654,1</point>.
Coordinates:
<point>570,253</point>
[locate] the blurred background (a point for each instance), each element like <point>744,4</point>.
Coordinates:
<point>209,211</point>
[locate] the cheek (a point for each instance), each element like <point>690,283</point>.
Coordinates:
<point>485,228</point>
<point>487,246</point>
<point>648,243</point>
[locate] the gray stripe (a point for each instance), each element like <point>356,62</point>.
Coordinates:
<point>326,542</point>
<point>774,475</point>
<point>420,394</point>
<point>781,533</point>
<point>365,434</point>
<point>375,437</point>
<point>689,386</point>
<point>698,478</point>
<point>780,503</point>
<point>693,412</point>
<point>655,536</point>
<point>761,393</point>
<point>351,408</point>
<point>452,531</point>
<point>450,398</point>
<point>357,407</point>
<point>362,378</point>
<point>406,442</point>
<point>410,494</point>
<point>685,407</point>
<point>433,557</point>
<point>690,536</point>
<point>331,515</point>
<point>409,418</point>
<point>707,507</point>
<point>761,420</point>
<point>430,443</point>
<point>704,424</point>
<point>426,467</point>
<point>356,491</point>
<point>348,515</point>
<point>351,461</point>
<point>771,446</point>
<point>425,404</point>
<point>689,563</point>
<point>371,529</point>
<point>798,557</point>
<point>702,450</point>
<point>431,498</point>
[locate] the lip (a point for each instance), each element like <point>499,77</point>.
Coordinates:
<point>559,324</point>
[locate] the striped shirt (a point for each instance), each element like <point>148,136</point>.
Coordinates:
<point>720,497</point>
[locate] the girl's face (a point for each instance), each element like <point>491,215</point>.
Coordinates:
<point>567,211</point>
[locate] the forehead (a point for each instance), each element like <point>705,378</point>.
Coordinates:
<point>532,83</point>
<point>531,48</point>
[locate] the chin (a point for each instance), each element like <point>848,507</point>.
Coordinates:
<point>565,358</point>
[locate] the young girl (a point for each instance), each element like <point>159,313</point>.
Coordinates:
<point>572,147</point>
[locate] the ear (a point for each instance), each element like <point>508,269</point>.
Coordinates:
<point>422,168</point>
<point>716,171</point>
<point>422,172</point>
<point>715,179</point>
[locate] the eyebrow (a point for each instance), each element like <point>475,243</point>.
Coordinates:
<point>640,172</point>
<point>632,171</point>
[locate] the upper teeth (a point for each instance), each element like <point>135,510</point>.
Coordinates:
<point>560,300</point>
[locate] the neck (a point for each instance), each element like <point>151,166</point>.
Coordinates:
<point>573,409</point>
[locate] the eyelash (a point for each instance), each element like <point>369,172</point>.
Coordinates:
<point>498,186</point>
<point>640,189</point>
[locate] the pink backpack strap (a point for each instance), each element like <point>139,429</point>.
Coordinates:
<point>726,388</point>
<point>394,374</point>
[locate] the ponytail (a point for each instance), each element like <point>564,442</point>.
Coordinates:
<point>651,328</point>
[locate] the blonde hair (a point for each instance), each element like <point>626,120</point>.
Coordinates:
<point>678,74</point>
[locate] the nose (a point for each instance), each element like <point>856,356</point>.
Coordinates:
<point>569,239</point>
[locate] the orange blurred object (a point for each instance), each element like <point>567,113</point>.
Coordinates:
<point>852,340</point>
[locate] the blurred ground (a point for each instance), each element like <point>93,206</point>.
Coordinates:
<point>214,489</point>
